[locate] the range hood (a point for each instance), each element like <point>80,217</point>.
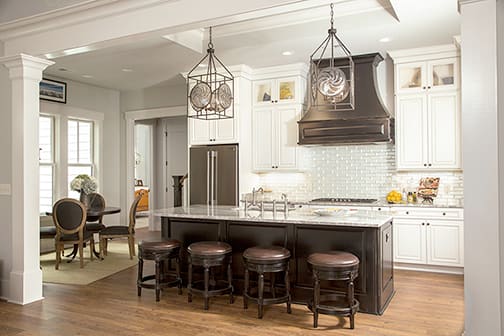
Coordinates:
<point>368,122</point>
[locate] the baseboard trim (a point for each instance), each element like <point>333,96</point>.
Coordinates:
<point>429,268</point>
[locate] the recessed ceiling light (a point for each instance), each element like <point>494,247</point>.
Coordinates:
<point>127,70</point>
<point>287,53</point>
<point>63,69</point>
<point>202,65</point>
<point>87,76</point>
<point>385,39</point>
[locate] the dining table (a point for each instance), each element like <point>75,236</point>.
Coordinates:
<point>92,212</point>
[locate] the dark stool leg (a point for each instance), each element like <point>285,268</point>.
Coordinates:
<point>316,298</point>
<point>287,289</point>
<point>158,279</point>
<point>140,276</point>
<point>350,296</point>
<point>260,296</point>
<point>207,280</point>
<point>179,279</point>
<point>245,288</point>
<point>230,282</point>
<point>189,282</point>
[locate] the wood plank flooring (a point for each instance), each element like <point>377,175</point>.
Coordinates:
<point>424,304</point>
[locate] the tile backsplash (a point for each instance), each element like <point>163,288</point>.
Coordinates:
<point>357,171</point>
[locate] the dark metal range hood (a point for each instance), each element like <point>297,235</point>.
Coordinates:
<point>368,122</point>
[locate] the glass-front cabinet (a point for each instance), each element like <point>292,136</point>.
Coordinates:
<point>440,74</point>
<point>282,90</point>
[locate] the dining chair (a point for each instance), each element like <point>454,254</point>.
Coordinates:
<point>121,231</point>
<point>94,224</point>
<point>69,216</point>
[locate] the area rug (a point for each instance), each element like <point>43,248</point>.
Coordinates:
<point>71,273</point>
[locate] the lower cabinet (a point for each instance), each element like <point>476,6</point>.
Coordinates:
<point>429,240</point>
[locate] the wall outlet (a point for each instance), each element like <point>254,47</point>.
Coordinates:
<point>5,189</point>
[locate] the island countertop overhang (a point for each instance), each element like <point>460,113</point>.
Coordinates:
<point>363,219</point>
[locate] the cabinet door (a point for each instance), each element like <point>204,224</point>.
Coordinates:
<point>263,92</point>
<point>445,241</point>
<point>286,90</point>
<point>411,131</point>
<point>262,139</point>
<point>443,74</point>
<point>409,241</point>
<point>410,77</point>
<point>286,136</point>
<point>444,130</point>
<point>199,131</point>
<point>226,130</point>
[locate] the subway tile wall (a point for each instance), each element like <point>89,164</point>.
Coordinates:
<point>356,171</point>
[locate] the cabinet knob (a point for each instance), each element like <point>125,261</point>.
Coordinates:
<point>425,164</point>
<point>423,223</point>
<point>428,223</point>
<point>276,101</point>
<point>424,87</point>
<point>407,212</point>
<point>379,209</point>
<point>428,87</point>
<point>444,213</point>
<point>430,164</point>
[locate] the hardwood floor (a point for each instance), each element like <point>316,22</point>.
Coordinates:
<point>424,304</point>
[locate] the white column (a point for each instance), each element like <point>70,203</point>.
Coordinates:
<point>25,72</point>
<point>483,153</point>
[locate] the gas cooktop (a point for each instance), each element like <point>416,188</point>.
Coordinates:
<point>345,200</point>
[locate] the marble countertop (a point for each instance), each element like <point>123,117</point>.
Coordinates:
<point>351,218</point>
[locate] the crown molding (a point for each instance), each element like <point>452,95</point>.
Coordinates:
<point>62,17</point>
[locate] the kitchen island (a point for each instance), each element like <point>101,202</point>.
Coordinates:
<point>366,234</point>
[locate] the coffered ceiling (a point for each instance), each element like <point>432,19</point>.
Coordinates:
<point>363,25</point>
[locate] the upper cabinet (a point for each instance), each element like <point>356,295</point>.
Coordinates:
<point>277,105</point>
<point>208,132</point>
<point>276,91</point>
<point>427,109</point>
<point>435,75</point>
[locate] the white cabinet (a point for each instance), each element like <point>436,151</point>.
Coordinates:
<point>428,131</point>
<point>284,90</point>
<point>208,132</point>
<point>427,109</point>
<point>274,138</point>
<point>429,237</point>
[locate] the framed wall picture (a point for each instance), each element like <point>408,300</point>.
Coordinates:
<point>53,90</point>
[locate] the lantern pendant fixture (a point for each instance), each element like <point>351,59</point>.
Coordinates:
<point>332,74</point>
<point>210,93</point>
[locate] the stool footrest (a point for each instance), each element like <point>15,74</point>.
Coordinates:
<point>221,287</point>
<point>333,304</point>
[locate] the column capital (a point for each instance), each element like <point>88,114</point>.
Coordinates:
<point>25,66</point>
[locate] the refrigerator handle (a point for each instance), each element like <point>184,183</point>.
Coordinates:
<point>208,162</point>
<point>216,174</point>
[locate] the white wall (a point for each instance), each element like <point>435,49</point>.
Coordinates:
<point>5,178</point>
<point>143,140</point>
<point>154,97</point>
<point>482,149</point>
<point>83,98</point>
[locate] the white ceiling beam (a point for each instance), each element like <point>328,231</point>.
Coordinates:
<point>391,6</point>
<point>191,39</point>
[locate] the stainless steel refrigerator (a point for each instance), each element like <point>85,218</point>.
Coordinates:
<point>213,175</point>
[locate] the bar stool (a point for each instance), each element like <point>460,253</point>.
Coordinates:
<point>160,252</point>
<point>271,259</point>
<point>333,265</point>
<point>209,254</point>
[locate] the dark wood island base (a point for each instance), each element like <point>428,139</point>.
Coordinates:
<point>374,287</point>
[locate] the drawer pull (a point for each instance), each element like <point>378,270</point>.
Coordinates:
<point>444,213</point>
<point>407,212</point>
<point>386,238</point>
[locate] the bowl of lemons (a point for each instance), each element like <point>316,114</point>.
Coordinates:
<point>394,197</point>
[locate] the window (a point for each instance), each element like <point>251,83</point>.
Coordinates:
<point>46,161</point>
<point>80,151</point>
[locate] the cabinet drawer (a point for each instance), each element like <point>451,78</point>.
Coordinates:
<point>440,213</point>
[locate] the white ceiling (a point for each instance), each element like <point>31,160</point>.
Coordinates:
<point>360,24</point>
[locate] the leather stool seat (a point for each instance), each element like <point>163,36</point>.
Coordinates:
<point>333,259</point>
<point>161,252</point>
<point>208,254</point>
<point>209,248</point>
<point>269,259</point>
<point>266,254</point>
<point>333,265</point>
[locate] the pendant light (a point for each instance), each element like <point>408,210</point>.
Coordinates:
<point>210,92</point>
<point>332,74</point>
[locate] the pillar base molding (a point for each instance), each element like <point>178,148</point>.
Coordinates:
<point>24,287</point>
